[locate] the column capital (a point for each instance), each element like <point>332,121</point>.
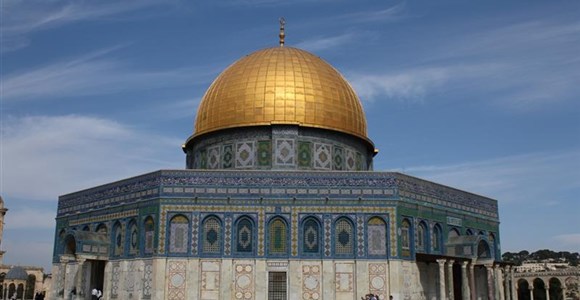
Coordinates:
<point>464,264</point>
<point>441,262</point>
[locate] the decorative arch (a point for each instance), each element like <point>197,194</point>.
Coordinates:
<point>102,228</point>
<point>149,232</point>
<point>406,237</point>
<point>178,234</point>
<point>70,244</point>
<point>86,228</point>
<point>244,236</point>
<point>422,234</point>
<point>492,244</point>
<point>556,292</point>
<point>483,250</point>
<point>118,239</point>
<point>133,233</point>
<point>539,289</point>
<point>437,239</point>
<point>211,235</point>
<point>377,237</point>
<point>30,286</point>
<point>523,290</point>
<point>453,232</point>
<point>311,238</point>
<point>277,237</point>
<point>468,231</point>
<point>344,237</point>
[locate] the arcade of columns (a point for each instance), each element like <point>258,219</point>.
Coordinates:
<point>500,283</point>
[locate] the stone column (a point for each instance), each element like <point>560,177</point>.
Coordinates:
<point>531,287</point>
<point>441,263</point>
<point>490,290</point>
<point>513,284</point>
<point>464,281</point>
<point>547,287</point>
<point>79,279</point>
<point>450,289</point>
<point>472,281</point>
<point>498,286</point>
<point>506,283</point>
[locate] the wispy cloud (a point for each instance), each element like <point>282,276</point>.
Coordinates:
<point>414,84</point>
<point>20,18</point>
<point>320,43</point>
<point>92,74</point>
<point>57,155</point>
<point>393,13</point>
<point>503,178</point>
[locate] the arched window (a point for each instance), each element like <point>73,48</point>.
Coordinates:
<point>118,242</point>
<point>492,245</point>
<point>469,232</point>
<point>406,237</point>
<point>211,236</point>
<point>437,238</point>
<point>149,226</point>
<point>343,237</point>
<point>310,236</point>
<point>179,232</point>
<point>133,237</point>
<point>86,228</point>
<point>421,237</point>
<point>277,237</point>
<point>244,235</point>
<point>102,228</point>
<point>453,233</point>
<point>377,237</point>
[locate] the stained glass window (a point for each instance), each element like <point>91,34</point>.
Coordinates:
<point>178,228</point>
<point>244,236</point>
<point>311,236</point>
<point>343,237</point>
<point>133,238</point>
<point>118,239</point>
<point>377,236</point>
<point>277,237</point>
<point>212,236</point>
<point>436,238</point>
<point>149,235</point>
<point>421,231</point>
<point>406,235</point>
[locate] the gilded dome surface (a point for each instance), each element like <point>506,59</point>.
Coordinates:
<point>281,85</point>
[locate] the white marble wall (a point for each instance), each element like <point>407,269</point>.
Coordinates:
<point>247,279</point>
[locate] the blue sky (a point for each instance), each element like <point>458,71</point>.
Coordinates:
<point>479,95</point>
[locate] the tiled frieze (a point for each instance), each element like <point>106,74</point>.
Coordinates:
<point>245,154</point>
<point>228,156</point>
<point>284,152</point>
<point>360,233</point>
<point>264,153</point>
<point>244,286</point>
<point>228,236</point>
<point>322,157</point>
<point>105,217</point>
<point>176,275</point>
<point>304,154</point>
<point>213,157</point>
<point>194,233</point>
<point>327,235</point>
<point>311,280</point>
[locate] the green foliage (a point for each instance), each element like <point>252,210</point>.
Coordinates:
<point>544,255</point>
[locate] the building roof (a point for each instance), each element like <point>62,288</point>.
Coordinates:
<point>281,85</point>
<point>16,273</point>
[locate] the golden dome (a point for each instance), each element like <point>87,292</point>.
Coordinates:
<point>281,85</point>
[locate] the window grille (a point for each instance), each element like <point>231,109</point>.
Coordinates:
<point>277,286</point>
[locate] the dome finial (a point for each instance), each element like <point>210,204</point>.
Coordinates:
<point>282,34</point>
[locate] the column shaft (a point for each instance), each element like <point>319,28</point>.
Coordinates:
<point>472,281</point>
<point>441,263</point>
<point>464,282</point>
<point>450,288</point>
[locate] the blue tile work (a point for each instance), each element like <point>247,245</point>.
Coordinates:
<point>275,185</point>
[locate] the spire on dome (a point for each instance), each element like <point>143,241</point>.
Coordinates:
<point>282,33</point>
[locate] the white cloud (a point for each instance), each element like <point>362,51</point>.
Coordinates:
<point>91,75</point>
<point>44,157</point>
<point>321,43</point>
<point>528,178</point>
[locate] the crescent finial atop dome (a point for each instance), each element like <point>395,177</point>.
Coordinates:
<point>282,33</point>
